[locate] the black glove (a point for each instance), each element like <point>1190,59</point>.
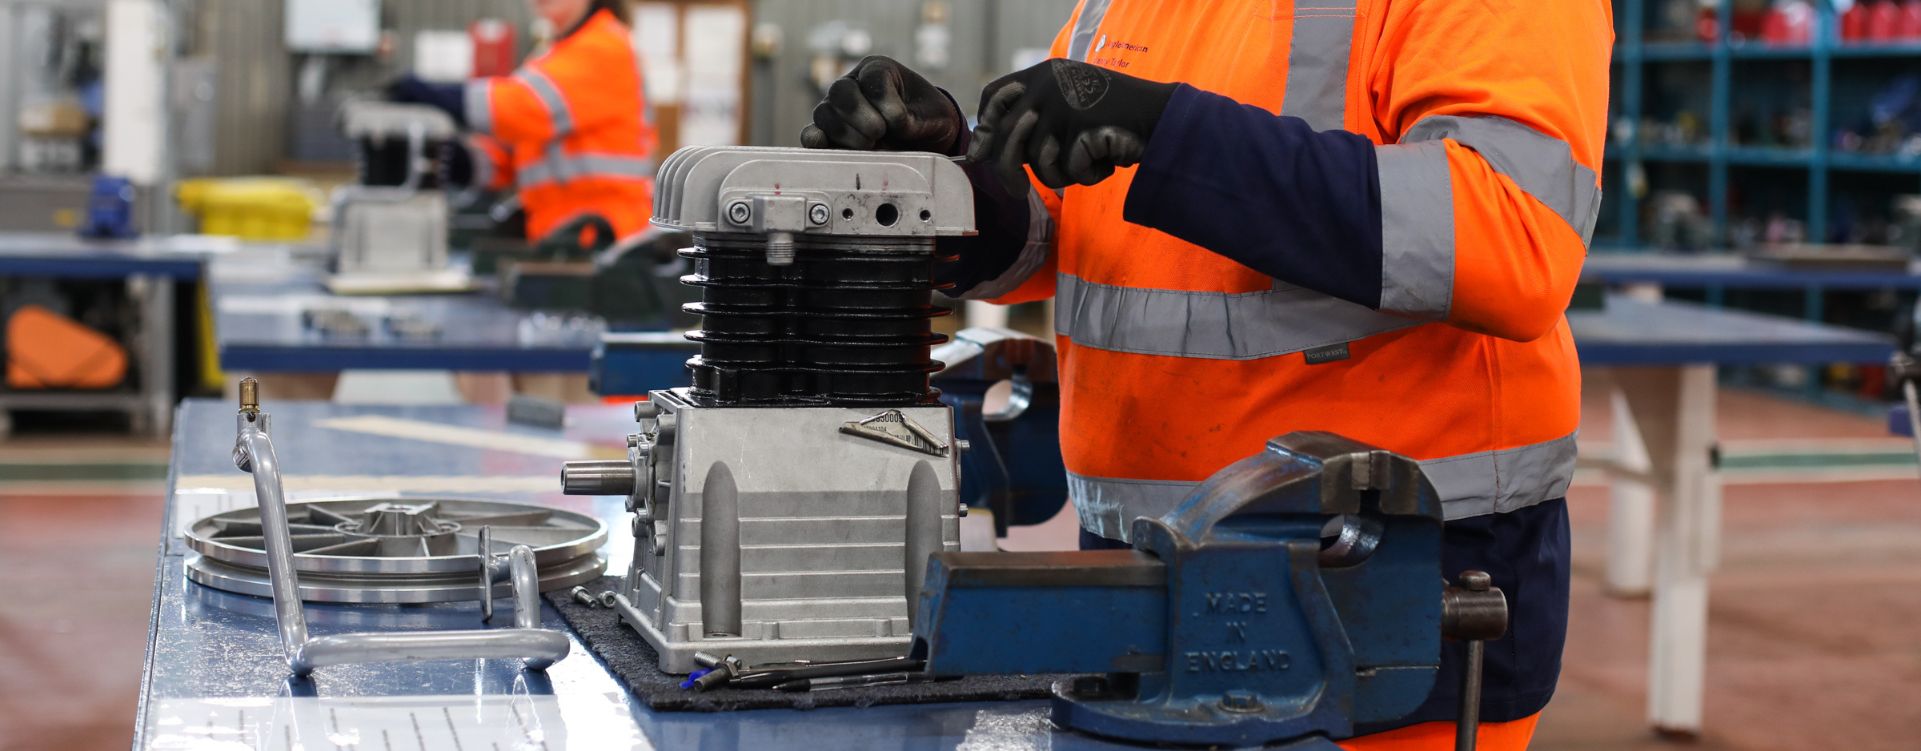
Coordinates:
<point>882,105</point>
<point>454,165</point>
<point>1074,123</point>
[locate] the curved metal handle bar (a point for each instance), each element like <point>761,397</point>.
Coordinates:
<point>538,647</point>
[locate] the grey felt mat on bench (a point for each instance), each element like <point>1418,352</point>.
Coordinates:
<point>629,657</point>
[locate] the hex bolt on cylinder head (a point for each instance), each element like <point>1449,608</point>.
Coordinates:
<point>739,212</point>
<point>817,214</point>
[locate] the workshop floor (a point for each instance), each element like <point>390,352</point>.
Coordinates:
<point>1813,646</point>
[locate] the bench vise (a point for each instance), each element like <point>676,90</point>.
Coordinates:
<point>1293,597</point>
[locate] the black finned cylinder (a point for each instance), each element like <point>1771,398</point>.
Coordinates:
<point>384,161</point>
<point>849,322</point>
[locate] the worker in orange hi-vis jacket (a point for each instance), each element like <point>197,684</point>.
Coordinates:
<point>568,130</point>
<point>1357,216</point>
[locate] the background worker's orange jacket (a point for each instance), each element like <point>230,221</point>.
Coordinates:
<point>569,130</point>
<point>1193,324</point>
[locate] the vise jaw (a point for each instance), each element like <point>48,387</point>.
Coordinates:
<point>1294,596</point>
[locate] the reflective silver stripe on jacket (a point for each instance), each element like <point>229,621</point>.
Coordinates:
<point>1210,325</point>
<point>1417,200</point>
<point>1470,485</point>
<point>1540,164</point>
<point>479,106</point>
<point>1317,62</point>
<point>1034,253</point>
<point>1080,44</point>
<point>1417,229</point>
<point>563,168</point>
<point>549,96</point>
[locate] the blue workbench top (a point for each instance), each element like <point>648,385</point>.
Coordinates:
<point>1637,332</point>
<point>1735,271</point>
<point>214,657</point>
<point>215,670</point>
<point>259,301</point>
<point>64,255</point>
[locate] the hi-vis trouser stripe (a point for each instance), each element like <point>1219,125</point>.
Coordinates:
<point>1469,485</point>
<point>558,168</point>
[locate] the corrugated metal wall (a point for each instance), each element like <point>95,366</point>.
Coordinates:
<point>255,72</point>
<point>984,37</point>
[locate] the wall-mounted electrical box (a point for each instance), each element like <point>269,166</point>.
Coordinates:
<point>333,26</point>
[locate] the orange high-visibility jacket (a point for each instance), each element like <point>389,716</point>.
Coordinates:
<point>569,129</point>
<point>1487,120</point>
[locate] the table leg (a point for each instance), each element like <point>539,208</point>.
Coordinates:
<point>1674,409</point>
<point>1630,557</point>
<point>156,354</point>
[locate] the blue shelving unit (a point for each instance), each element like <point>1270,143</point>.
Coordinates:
<point>1731,70</point>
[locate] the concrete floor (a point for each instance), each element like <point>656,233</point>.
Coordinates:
<point>1814,638</point>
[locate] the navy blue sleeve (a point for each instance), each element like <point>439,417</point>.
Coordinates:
<point>1001,220</point>
<point>446,97</point>
<point>1266,191</point>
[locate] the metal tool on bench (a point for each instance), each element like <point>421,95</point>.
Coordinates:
<point>253,452</point>
<point>786,502</point>
<point>1294,597</point>
<point>393,221</point>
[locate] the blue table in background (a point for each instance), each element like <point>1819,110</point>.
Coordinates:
<point>260,305</point>
<point>215,672</point>
<point>149,266</point>
<point>1731,271</point>
<point>1661,358</point>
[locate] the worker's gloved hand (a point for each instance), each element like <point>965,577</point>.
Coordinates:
<point>1074,123</point>
<point>882,105</point>
<point>454,165</point>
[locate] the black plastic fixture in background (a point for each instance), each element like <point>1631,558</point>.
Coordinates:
<point>848,323</point>
<point>383,162</point>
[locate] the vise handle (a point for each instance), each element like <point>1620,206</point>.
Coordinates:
<point>1474,611</point>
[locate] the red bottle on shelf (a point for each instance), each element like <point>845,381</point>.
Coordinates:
<point>1707,26</point>
<point>1854,23</point>
<point>1910,28</point>
<point>1774,28</point>
<point>493,47</point>
<point>1884,21</point>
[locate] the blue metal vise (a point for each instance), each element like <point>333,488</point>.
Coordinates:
<point>1295,595</point>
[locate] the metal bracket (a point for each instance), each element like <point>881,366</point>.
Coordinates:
<point>897,429</point>
<point>539,647</point>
